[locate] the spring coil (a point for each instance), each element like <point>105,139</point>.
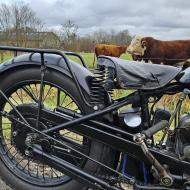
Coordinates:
<point>97,86</point>
<point>110,91</point>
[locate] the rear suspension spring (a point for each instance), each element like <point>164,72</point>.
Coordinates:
<point>98,88</point>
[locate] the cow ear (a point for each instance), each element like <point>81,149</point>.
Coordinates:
<point>144,43</point>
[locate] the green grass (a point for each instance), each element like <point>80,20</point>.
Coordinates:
<point>5,56</point>
<point>89,58</point>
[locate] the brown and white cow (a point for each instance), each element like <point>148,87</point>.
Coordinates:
<point>109,50</point>
<point>157,51</point>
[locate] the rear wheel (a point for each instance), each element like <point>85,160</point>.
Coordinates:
<point>19,170</point>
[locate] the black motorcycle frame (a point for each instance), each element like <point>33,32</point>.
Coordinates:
<point>106,133</point>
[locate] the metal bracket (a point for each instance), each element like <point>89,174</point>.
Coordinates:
<point>165,178</point>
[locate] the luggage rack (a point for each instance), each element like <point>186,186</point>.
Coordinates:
<point>56,52</point>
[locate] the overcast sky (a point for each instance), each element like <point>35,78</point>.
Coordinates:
<point>163,19</point>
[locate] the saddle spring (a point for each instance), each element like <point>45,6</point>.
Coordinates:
<point>98,86</point>
<point>108,89</point>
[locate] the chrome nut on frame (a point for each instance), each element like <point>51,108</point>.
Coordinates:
<point>139,138</point>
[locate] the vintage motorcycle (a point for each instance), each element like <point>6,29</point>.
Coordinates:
<point>61,128</point>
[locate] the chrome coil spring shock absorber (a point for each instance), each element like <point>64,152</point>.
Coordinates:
<point>107,78</point>
<point>98,86</point>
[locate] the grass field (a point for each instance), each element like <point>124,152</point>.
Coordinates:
<point>89,58</point>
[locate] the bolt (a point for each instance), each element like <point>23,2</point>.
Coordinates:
<point>95,108</point>
<point>15,133</point>
<point>149,141</point>
<point>27,152</point>
<point>69,150</point>
<point>131,181</point>
<point>167,181</point>
<point>28,140</point>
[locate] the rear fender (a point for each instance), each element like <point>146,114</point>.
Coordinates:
<point>52,61</point>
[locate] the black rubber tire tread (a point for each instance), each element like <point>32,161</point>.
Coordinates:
<point>98,151</point>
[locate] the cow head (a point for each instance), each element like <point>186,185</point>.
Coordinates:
<point>138,46</point>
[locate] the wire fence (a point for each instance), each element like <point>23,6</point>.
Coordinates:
<point>178,62</point>
<point>5,55</point>
<point>165,59</point>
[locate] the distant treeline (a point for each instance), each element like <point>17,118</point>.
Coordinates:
<point>87,43</point>
<point>20,26</point>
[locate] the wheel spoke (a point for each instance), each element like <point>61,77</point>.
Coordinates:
<point>19,97</point>
<point>14,155</point>
<point>14,100</point>
<point>37,92</point>
<point>69,104</point>
<point>13,146</point>
<point>43,170</point>
<point>62,102</point>
<point>31,94</point>
<point>55,173</point>
<point>47,94</point>
<point>21,93</point>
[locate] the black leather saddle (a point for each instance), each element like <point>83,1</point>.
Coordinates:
<point>139,75</point>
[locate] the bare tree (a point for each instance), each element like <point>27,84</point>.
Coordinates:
<point>5,17</point>
<point>69,30</point>
<point>69,35</point>
<point>17,19</point>
<point>112,37</point>
<point>101,36</point>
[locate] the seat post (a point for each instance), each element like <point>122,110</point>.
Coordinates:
<point>144,110</point>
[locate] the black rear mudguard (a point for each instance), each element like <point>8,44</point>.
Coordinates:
<point>52,61</point>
